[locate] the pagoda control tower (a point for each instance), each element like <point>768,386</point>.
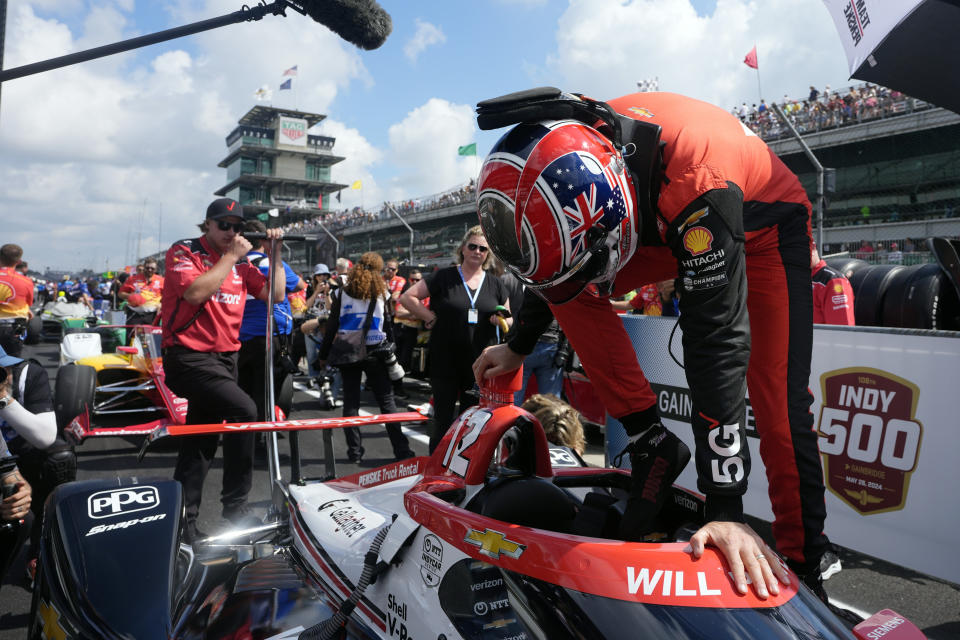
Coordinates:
<point>273,163</point>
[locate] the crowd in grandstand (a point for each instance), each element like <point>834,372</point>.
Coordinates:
<point>827,109</point>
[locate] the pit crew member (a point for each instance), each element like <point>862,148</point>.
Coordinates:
<point>832,293</point>
<point>16,298</point>
<point>143,292</point>
<point>207,280</point>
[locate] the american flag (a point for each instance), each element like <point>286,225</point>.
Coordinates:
<point>292,71</point>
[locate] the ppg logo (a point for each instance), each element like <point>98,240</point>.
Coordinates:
<point>114,502</point>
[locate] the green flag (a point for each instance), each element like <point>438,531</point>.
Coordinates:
<point>468,150</point>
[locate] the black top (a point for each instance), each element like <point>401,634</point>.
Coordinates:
<point>452,334</point>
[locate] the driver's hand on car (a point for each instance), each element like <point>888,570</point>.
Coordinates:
<point>496,360</point>
<point>15,507</point>
<point>746,553</point>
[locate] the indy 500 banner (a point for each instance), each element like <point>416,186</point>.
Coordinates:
<point>887,409</point>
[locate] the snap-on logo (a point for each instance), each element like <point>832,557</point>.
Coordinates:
<point>115,502</point>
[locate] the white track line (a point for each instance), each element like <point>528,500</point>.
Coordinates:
<point>410,433</point>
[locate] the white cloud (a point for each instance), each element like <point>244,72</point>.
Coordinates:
<point>423,147</point>
<point>86,145</point>
<point>605,46</point>
<point>425,36</point>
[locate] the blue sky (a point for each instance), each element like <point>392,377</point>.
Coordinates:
<point>105,154</point>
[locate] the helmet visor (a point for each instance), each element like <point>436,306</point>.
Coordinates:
<point>497,221</point>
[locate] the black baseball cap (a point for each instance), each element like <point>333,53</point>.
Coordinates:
<point>224,208</point>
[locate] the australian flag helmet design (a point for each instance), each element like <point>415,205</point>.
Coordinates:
<point>556,204</point>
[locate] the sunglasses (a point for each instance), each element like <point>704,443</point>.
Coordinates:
<point>415,279</point>
<point>477,247</point>
<point>389,268</point>
<point>223,225</point>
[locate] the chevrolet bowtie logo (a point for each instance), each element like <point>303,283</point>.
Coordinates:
<point>494,543</point>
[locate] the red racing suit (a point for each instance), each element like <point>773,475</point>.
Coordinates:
<point>832,296</point>
<point>734,224</point>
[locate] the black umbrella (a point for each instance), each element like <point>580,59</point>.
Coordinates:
<point>908,45</point>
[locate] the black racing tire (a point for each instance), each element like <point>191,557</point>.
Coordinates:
<point>34,330</point>
<point>869,291</point>
<point>73,392</point>
<point>284,397</point>
<point>922,297</point>
<point>847,266</point>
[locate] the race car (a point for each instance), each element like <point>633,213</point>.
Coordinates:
<point>120,393</point>
<point>482,539</point>
<point>59,316</point>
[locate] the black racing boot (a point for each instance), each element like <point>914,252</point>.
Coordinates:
<point>656,459</point>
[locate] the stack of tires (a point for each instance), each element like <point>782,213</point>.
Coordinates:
<point>890,295</point>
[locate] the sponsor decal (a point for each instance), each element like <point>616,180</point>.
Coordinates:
<point>6,292</point>
<point>397,618</point>
<point>482,608</point>
<point>697,240</point>
<point>50,626</point>
<point>837,287</point>
<point>725,444</point>
<point>396,471</point>
<point>562,458</point>
<point>227,298</point>
<point>347,519</point>
<point>643,112</point>
<point>705,282</point>
<point>839,300</point>
<point>293,129</point>
<point>431,560</point>
<point>668,582</point>
<point>869,437</point>
<point>674,403</point>
<point>101,528</point>
<point>703,260</point>
<point>487,584</point>
<point>882,623</point>
<point>693,218</point>
<point>115,502</point>
<point>494,544</point>
<point>857,18</point>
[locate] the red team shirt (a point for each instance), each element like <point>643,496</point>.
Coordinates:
<point>16,293</point>
<point>832,296</point>
<point>217,327</point>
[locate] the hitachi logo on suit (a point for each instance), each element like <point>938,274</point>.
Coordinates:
<point>698,261</point>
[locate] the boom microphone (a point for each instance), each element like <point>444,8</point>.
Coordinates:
<point>363,23</point>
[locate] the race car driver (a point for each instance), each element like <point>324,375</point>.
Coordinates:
<point>565,203</point>
<point>206,284</point>
<point>832,293</point>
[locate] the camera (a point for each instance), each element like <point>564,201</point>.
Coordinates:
<point>325,388</point>
<point>387,356</point>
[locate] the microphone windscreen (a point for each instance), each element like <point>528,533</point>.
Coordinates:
<point>363,23</point>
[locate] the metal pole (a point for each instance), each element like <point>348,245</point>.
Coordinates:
<point>336,242</point>
<point>273,459</point>
<point>400,218</point>
<point>243,15</point>
<point>816,164</point>
<point>3,31</point>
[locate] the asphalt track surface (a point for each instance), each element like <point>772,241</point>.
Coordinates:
<point>865,585</point>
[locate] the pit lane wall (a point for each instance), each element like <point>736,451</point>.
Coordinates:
<point>887,410</point>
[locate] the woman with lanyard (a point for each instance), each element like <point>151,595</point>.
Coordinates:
<point>462,321</point>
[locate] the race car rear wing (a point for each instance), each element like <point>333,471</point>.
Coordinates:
<point>310,424</point>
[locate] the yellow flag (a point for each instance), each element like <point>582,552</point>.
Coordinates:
<point>357,185</point>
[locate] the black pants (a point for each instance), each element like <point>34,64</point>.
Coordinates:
<point>450,385</point>
<point>379,383</point>
<point>11,541</point>
<point>209,383</point>
<point>10,340</point>
<point>406,340</point>
<point>251,375</point>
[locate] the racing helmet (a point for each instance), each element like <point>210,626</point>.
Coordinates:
<point>556,204</point>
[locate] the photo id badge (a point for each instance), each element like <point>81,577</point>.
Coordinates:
<point>472,316</point>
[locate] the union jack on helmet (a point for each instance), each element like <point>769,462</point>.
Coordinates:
<point>556,204</point>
